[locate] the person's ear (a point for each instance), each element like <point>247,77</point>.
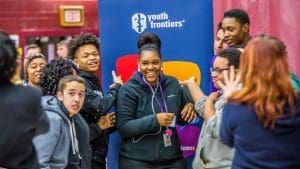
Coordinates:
<point>246,27</point>
<point>60,96</point>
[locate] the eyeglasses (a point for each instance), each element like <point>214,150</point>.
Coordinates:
<point>217,70</point>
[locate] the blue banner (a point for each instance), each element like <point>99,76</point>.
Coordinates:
<point>185,29</point>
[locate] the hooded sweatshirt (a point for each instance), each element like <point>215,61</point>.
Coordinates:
<point>258,146</point>
<point>59,147</point>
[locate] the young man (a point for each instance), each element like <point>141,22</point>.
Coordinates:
<point>84,50</point>
<point>211,153</point>
<point>236,26</point>
<point>66,144</point>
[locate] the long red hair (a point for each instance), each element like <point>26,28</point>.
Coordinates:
<point>265,79</point>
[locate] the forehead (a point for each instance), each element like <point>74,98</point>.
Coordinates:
<point>37,61</point>
<point>220,62</point>
<point>149,55</point>
<point>88,48</point>
<point>230,22</point>
<point>74,85</point>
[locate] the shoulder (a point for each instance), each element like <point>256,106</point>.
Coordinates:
<point>33,92</point>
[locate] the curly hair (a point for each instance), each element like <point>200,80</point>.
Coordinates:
<point>80,40</point>
<point>8,57</point>
<point>53,72</point>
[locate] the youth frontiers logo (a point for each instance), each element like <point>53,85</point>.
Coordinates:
<point>140,22</point>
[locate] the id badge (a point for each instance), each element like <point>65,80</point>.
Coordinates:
<point>173,124</point>
<point>167,140</point>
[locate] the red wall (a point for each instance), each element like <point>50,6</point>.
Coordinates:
<point>30,15</point>
<point>279,18</point>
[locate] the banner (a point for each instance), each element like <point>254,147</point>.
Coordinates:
<point>186,32</point>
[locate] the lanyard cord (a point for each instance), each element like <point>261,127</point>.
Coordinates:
<point>153,109</point>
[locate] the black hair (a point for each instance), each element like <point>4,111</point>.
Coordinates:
<point>219,27</point>
<point>232,55</point>
<point>53,72</point>
<point>80,40</point>
<point>8,57</point>
<point>149,41</point>
<point>240,15</point>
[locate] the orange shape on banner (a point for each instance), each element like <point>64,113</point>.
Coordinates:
<point>182,70</point>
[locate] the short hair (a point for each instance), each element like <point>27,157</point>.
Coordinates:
<point>149,41</point>
<point>232,55</point>
<point>67,79</point>
<point>8,57</point>
<point>80,40</point>
<point>240,15</point>
<point>63,42</point>
<point>53,72</point>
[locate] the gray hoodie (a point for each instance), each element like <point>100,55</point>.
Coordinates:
<point>53,147</point>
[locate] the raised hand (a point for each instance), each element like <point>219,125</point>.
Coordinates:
<point>231,82</point>
<point>107,121</point>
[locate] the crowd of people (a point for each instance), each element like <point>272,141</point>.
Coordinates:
<point>61,118</point>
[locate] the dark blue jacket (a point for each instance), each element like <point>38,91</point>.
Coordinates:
<point>257,146</point>
<point>142,136</point>
<point>21,118</point>
<point>95,105</point>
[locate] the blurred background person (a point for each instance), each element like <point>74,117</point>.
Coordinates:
<point>33,49</point>
<point>62,49</point>
<point>33,68</point>
<point>21,114</point>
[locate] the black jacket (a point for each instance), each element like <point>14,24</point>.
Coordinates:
<point>95,105</point>
<point>21,118</point>
<point>142,137</point>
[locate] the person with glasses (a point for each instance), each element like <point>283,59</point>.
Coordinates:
<point>211,152</point>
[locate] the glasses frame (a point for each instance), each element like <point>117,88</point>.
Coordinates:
<point>217,70</point>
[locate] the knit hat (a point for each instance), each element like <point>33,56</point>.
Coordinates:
<point>30,58</point>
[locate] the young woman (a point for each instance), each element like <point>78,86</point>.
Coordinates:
<point>262,119</point>
<point>33,68</point>
<point>147,117</point>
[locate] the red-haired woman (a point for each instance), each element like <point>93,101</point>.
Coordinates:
<point>262,120</point>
